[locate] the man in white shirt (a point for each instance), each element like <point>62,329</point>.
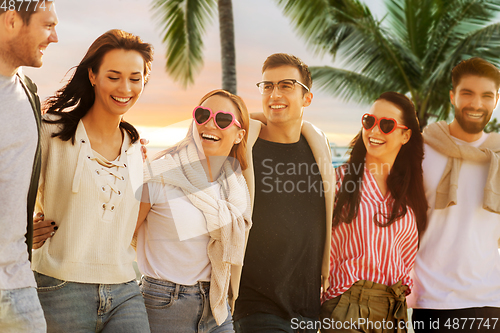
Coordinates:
<point>457,269</point>
<point>26,29</point>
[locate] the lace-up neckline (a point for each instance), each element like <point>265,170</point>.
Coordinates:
<point>110,176</point>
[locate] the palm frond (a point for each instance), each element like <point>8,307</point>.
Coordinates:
<point>454,20</point>
<point>347,27</point>
<point>183,24</point>
<point>412,22</point>
<point>484,43</point>
<point>346,84</point>
<point>309,17</point>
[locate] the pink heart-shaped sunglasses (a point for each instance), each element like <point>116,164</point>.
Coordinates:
<point>223,119</point>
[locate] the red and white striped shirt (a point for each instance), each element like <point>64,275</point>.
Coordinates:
<point>363,251</point>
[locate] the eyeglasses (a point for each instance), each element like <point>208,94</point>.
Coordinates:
<point>222,119</point>
<point>386,125</point>
<point>285,86</point>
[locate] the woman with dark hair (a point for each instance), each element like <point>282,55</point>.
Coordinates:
<point>91,169</point>
<point>193,221</point>
<point>380,210</point>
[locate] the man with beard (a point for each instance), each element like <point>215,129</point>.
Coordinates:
<point>26,29</point>
<point>457,269</point>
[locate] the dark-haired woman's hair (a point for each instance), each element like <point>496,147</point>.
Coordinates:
<point>78,94</point>
<point>405,181</point>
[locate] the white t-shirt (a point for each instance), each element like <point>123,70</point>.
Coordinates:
<point>458,263</point>
<point>18,141</point>
<point>172,242</point>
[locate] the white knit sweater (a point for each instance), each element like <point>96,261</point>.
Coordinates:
<point>93,203</point>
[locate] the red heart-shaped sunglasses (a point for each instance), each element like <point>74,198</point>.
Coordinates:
<point>386,125</point>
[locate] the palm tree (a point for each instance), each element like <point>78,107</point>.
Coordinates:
<point>183,24</point>
<point>412,49</point>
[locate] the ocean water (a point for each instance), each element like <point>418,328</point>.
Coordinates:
<point>339,153</point>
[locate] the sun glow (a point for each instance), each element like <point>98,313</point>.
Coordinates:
<point>163,137</point>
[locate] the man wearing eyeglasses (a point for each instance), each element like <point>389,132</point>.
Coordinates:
<point>291,183</point>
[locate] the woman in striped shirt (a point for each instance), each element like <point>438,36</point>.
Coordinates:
<point>379,212</point>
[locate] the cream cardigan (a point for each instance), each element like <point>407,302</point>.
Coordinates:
<point>321,150</point>
<point>94,207</point>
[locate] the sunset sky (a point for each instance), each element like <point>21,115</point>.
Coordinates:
<point>164,110</point>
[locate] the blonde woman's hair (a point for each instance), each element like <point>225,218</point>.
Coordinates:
<point>238,152</point>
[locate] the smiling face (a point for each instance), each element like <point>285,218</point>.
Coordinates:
<point>282,108</point>
<point>27,48</point>
<point>474,99</point>
<point>119,82</point>
<point>380,147</point>
<point>217,142</point>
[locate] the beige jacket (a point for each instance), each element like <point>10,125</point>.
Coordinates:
<point>322,154</point>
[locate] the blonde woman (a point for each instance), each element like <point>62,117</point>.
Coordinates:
<point>193,221</point>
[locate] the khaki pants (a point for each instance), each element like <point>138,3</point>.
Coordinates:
<point>367,307</point>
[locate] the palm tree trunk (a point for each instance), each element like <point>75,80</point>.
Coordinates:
<point>422,112</point>
<point>228,54</point>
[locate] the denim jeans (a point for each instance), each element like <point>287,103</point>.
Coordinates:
<point>20,311</point>
<point>269,323</point>
<point>181,309</point>
<point>86,307</point>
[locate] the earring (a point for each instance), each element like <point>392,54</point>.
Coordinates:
<point>237,141</point>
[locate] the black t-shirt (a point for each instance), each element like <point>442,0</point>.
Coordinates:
<point>282,267</point>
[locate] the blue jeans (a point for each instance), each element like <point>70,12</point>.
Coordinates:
<point>181,309</point>
<point>20,311</point>
<point>86,307</point>
<point>269,323</point>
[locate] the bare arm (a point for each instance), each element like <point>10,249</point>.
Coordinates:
<point>143,212</point>
<point>259,116</point>
<point>144,208</point>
